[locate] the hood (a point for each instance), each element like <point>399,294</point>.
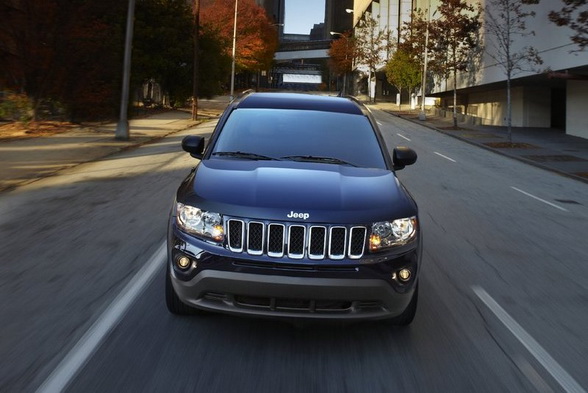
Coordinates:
<point>296,191</point>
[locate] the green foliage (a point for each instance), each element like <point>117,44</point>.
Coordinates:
<point>163,47</point>
<point>16,107</point>
<point>215,64</point>
<point>404,71</point>
<point>70,53</point>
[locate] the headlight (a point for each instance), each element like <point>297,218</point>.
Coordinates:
<point>393,233</point>
<point>200,222</point>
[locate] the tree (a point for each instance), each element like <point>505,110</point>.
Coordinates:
<point>257,38</point>
<point>59,50</point>
<point>29,58</point>
<point>162,48</point>
<point>505,24</point>
<point>455,37</point>
<point>574,14</point>
<point>373,46</point>
<point>414,43</point>
<point>412,35</point>
<point>217,64</point>
<point>342,53</point>
<point>403,70</point>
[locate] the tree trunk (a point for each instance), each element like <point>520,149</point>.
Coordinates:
<point>455,98</point>
<point>508,109</point>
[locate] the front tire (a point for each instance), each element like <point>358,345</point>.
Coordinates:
<point>408,314</point>
<point>173,302</point>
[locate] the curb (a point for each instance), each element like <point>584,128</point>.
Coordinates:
<point>497,151</point>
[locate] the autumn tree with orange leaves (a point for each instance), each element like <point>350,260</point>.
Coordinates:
<point>257,38</point>
<point>342,54</point>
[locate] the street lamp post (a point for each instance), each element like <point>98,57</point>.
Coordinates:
<point>422,114</point>
<point>234,52</point>
<point>122,128</point>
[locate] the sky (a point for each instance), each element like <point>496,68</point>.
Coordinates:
<point>302,15</point>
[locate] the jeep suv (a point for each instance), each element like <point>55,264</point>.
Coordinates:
<point>294,211</point>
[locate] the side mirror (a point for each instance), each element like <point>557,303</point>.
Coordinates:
<point>194,145</point>
<point>403,156</point>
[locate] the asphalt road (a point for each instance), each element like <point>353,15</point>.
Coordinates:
<point>502,302</point>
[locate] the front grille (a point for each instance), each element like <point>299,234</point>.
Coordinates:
<point>296,241</point>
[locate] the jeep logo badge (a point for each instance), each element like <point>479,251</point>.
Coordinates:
<point>304,216</point>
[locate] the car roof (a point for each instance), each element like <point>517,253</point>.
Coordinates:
<point>300,101</point>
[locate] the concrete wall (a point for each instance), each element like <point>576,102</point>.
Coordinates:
<point>576,113</point>
<point>490,106</point>
<point>536,111</point>
<point>531,107</point>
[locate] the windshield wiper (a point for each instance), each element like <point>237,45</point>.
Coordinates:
<point>240,154</point>
<point>327,160</point>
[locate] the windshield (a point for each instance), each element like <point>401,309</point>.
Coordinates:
<point>300,135</point>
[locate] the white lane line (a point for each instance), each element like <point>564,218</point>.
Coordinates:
<point>403,137</point>
<point>380,124</point>
<point>447,158</point>
<point>91,340</point>
<point>565,380</point>
<point>539,199</point>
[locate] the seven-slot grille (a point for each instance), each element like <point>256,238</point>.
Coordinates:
<point>296,241</point>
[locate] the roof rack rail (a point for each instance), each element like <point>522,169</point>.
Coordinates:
<point>244,93</point>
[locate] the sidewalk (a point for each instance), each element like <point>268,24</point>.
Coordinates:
<point>23,161</point>
<point>26,160</point>
<point>545,148</point>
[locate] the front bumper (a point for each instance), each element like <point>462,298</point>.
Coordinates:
<point>222,281</point>
<point>291,297</point>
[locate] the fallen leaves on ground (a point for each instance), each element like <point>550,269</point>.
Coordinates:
<point>19,130</point>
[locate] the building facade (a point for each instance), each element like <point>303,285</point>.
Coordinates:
<point>553,95</point>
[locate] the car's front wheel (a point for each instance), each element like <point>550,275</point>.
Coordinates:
<point>408,314</point>
<point>173,302</point>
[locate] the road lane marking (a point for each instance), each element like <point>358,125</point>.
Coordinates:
<point>403,137</point>
<point>447,158</point>
<point>79,355</point>
<point>380,124</point>
<point>565,380</point>
<point>539,199</point>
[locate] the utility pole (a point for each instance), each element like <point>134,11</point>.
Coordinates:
<point>423,114</point>
<point>196,32</point>
<point>234,52</point>
<point>122,128</point>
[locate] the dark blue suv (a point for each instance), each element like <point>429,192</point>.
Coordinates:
<point>294,211</point>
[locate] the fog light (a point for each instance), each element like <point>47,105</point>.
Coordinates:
<point>183,262</point>
<point>404,275</point>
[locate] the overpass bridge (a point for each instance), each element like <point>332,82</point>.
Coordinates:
<point>299,64</point>
<point>296,50</point>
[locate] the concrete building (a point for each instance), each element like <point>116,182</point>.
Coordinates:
<point>554,96</point>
